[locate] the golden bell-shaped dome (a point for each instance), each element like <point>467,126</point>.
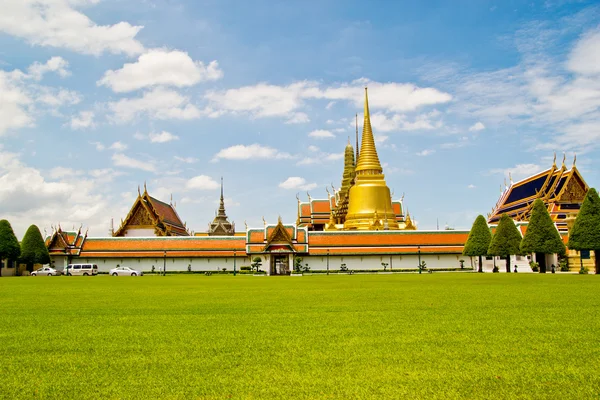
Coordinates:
<point>369,197</point>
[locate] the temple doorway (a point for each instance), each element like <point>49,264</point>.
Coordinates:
<point>280,264</point>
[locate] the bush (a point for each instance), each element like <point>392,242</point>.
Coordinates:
<point>535,267</point>
<point>584,270</point>
<point>563,265</point>
<point>495,269</point>
<point>246,268</point>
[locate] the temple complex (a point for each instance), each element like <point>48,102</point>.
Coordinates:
<point>358,227</point>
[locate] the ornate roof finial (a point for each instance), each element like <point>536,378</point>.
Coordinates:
<point>328,194</point>
<point>308,194</point>
<point>402,198</point>
<point>171,199</point>
<point>574,159</point>
<point>279,219</point>
<point>298,198</point>
<point>510,177</point>
<point>145,189</point>
<point>264,221</point>
<point>246,225</point>
<point>504,181</point>
<point>554,161</point>
<point>139,193</point>
<point>564,158</point>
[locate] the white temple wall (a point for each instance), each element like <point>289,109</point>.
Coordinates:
<point>373,262</point>
<point>173,264</point>
<point>522,263</point>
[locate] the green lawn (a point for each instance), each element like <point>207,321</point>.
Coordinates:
<point>362,336</point>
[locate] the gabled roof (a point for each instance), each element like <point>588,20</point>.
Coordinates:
<point>65,242</point>
<point>561,190</point>
<point>149,211</point>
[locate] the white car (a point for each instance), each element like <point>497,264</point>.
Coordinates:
<point>125,271</point>
<point>45,271</point>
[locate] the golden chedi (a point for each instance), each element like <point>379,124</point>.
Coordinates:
<point>370,202</point>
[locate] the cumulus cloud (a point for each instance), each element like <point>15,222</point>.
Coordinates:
<point>321,134</point>
<point>121,160</point>
<point>158,103</point>
<point>85,119</point>
<point>118,146</point>
<point>519,171</point>
<point>426,152</point>
<point>478,126</point>
<point>162,137</point>
<point>266,100</point>
<point>585,56</point>
<point>55,64</point>
<point>247,152</point>
<point>58,23</point>
<point>160,67</point>
<point>187,160</point>
<point>296,182</point>
<point>202,182</point>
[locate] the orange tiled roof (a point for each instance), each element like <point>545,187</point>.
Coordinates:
<point>320,206</point>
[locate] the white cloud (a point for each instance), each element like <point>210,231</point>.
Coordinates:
<point>85,119</point>
<point>585,56</point>
<point>478,126</point>
<point>57,23</point>
<point>15,103</point>
<point>381,138</point>
<point>121,160</point>
<point>321,134</point>
<point>187,160</point>
<point>160,67</point>
<point>158,103</point>
<point>313,148</point>
<point>426,152</point>
<point>334,156</point>
<point>99,146</point>
<point>253,151</point>
<point>298,118</point>
<point>55,64</point>
<point>118,146</point>
<point>330,105</point>
<point>296,182</point>
<point>162,137</point>
<point>519,171</point>
<point>398,122</point>
<point>471,186</point>
<point>67,196</point>
<point>202,182</point>
<point>266,100</point>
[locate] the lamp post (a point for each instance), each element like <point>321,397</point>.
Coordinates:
<point>165,263</point>
<point>419,252</point>
<point>390,263</point>
<point>234,254</point>
<point>327,261</point>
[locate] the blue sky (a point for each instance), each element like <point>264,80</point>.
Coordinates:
<point>99,96</point>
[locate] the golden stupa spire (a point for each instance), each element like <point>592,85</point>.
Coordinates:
<point>368,161</point>
<point>369,198</point>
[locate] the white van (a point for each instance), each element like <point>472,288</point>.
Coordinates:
<point>81,269</point>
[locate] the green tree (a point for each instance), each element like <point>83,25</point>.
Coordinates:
<point>256,263</point>
<point>506,240</point>
<point>479,240</point>
<point>33,248</point>
<point>585,234</point>
<point>542,236</point>
<point>9,245</point>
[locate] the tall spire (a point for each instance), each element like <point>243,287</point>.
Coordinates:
<point>356,118</point>
<point>221,225</point>
<point>368,161</point>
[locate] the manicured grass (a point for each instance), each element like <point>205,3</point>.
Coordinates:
<point>362,336</point>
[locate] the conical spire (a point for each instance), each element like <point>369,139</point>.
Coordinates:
<point>222,202</point>
<point>368,161</point>
<point>221,225</point>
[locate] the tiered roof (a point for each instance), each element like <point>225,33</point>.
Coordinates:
<point>148,212</point>
<point>561,190</point>
<point>67,243</point>
<point>221,225</point>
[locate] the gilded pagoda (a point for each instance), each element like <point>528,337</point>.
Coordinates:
<point>364,201</point>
